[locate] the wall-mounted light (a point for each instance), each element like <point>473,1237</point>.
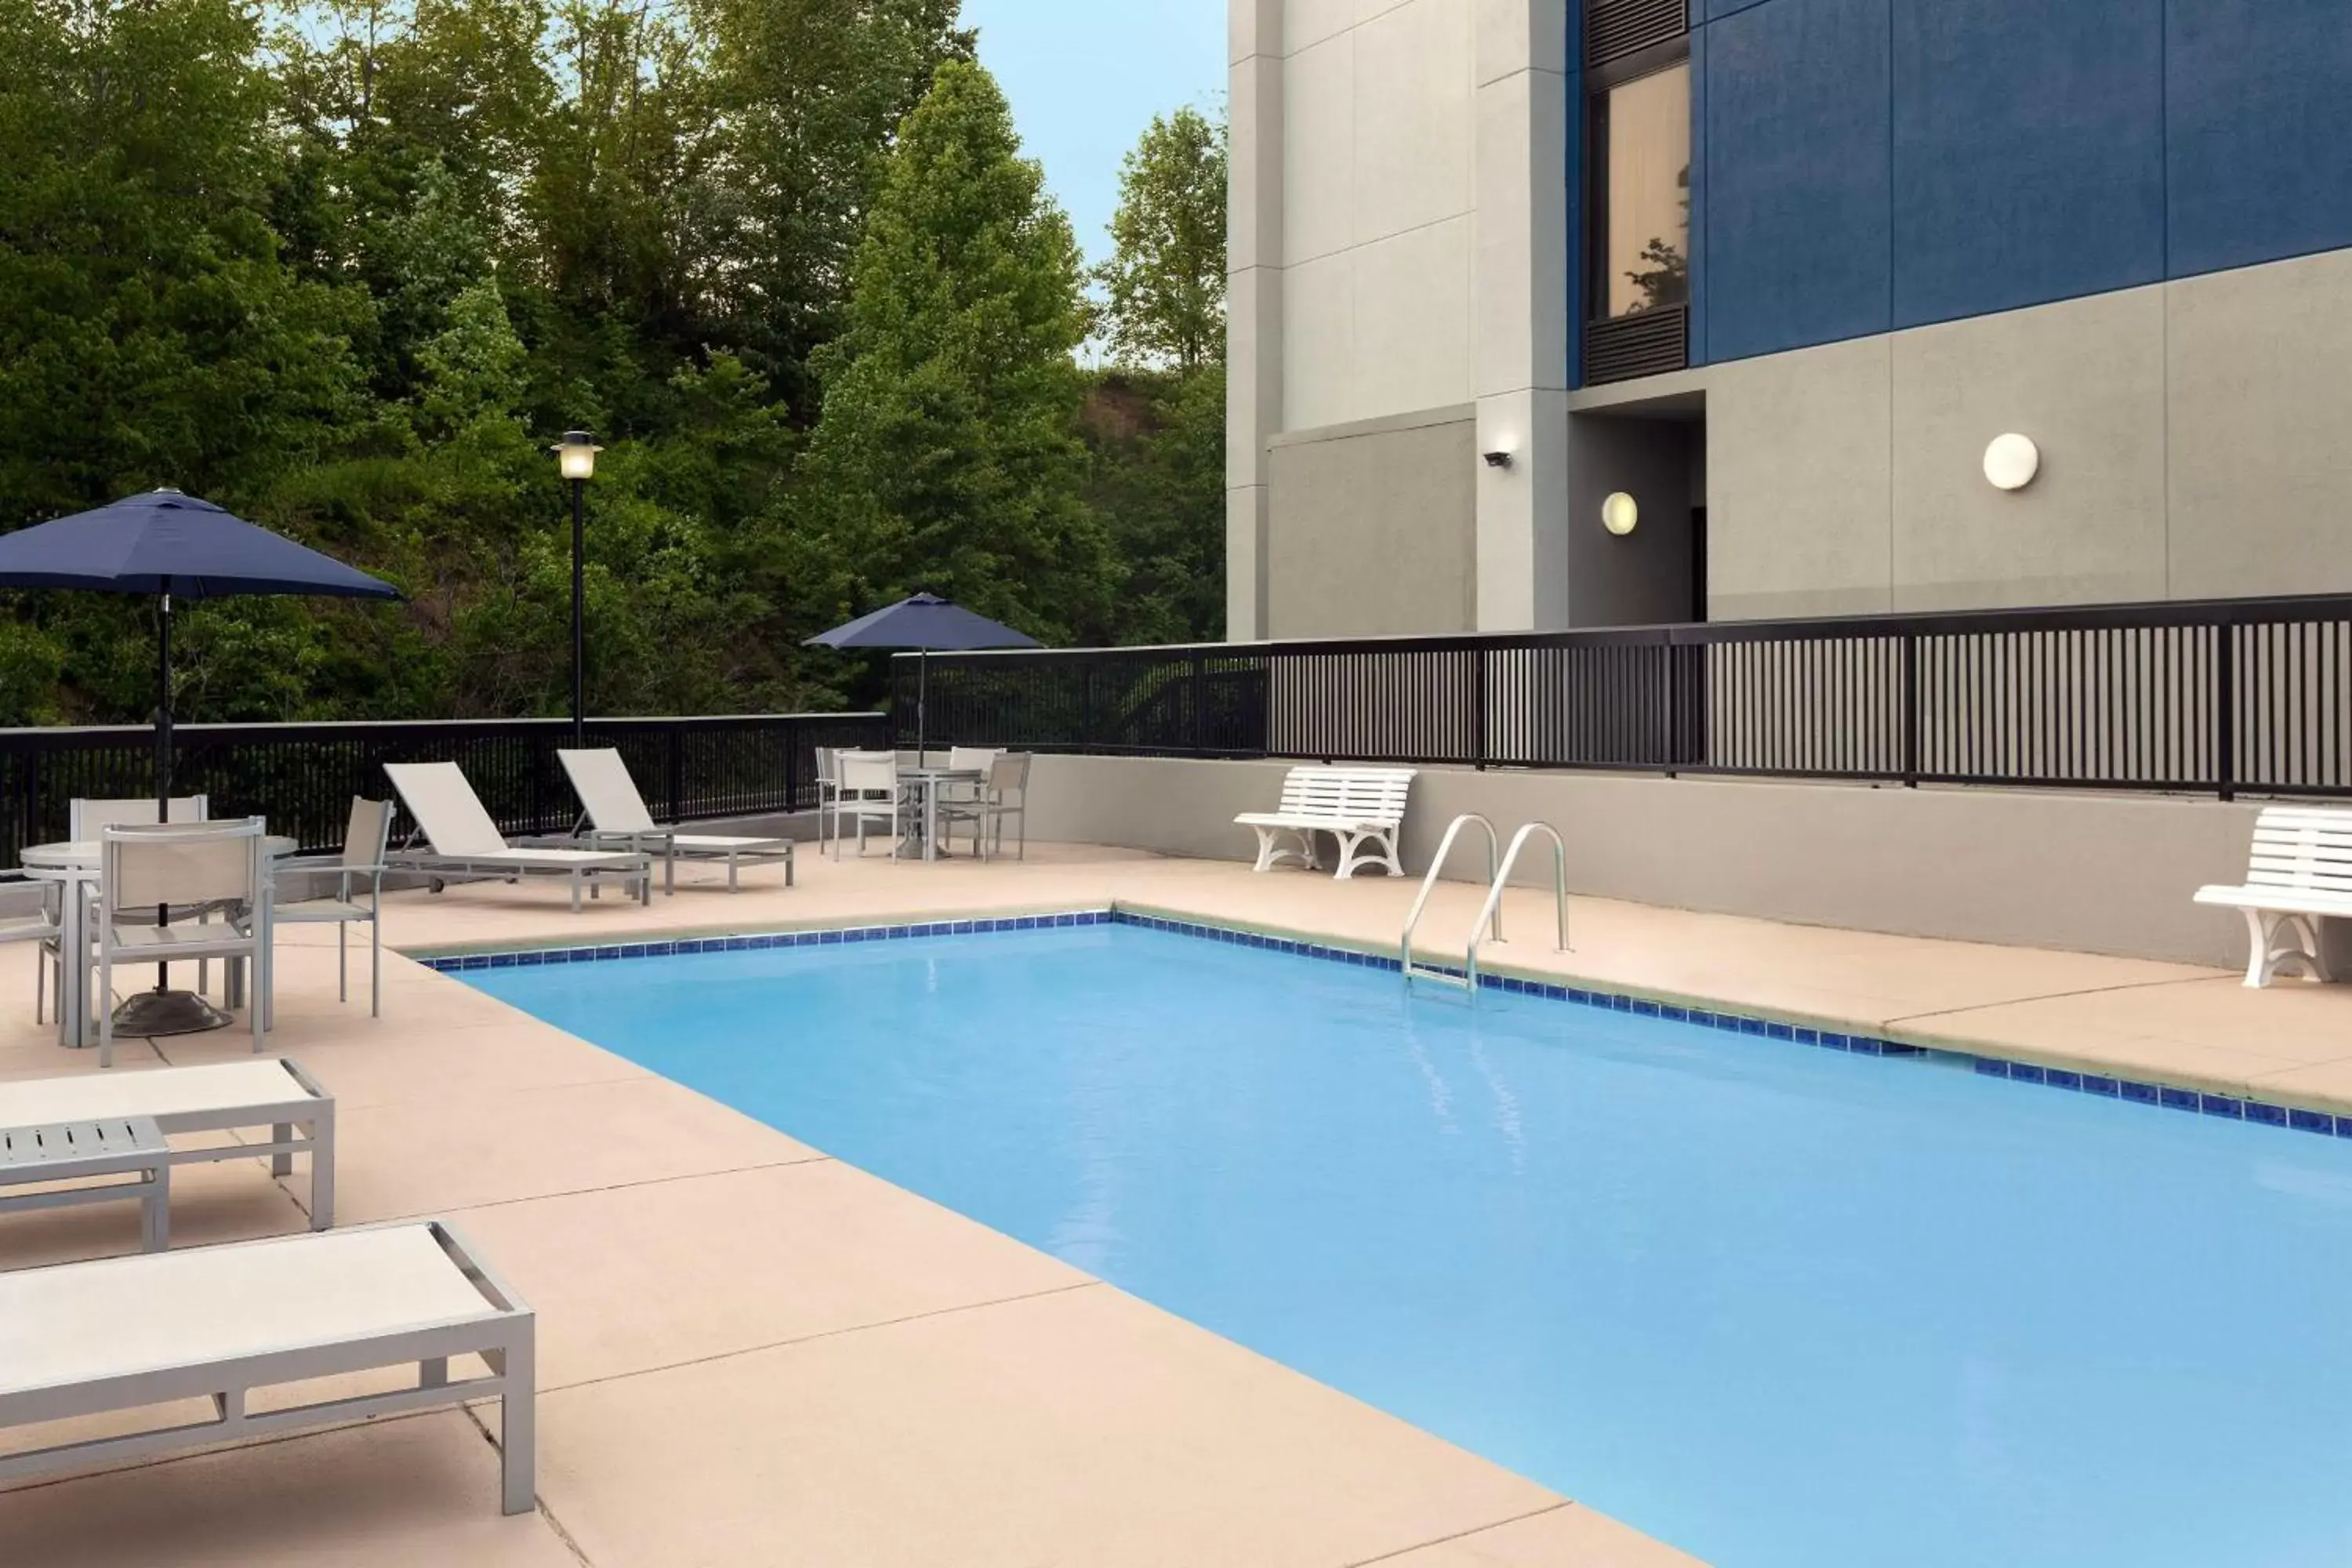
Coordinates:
<point>1498,458</point>
<point>1619,514</point>
<point>2010,462</point>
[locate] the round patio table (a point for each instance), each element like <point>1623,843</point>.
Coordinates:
<point>74,864</point>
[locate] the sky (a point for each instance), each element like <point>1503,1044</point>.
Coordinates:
<point>1085,78</point>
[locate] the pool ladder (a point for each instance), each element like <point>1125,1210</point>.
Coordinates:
<point>1489,924</point>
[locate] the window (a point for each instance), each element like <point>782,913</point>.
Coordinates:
<point>1641,211</point>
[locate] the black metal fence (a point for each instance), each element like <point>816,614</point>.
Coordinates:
<point>303,776</point>
<point>2222,698</point>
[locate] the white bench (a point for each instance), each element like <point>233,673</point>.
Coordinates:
<point>1361,807</point>
<point>2298,873</point>
<point>219,1323</point>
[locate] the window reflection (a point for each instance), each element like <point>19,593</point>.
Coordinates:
<point>1643,235</point>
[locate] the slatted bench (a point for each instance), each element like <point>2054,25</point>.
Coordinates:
<point>1363,809</point>
<point>78,1163</point>
<point>2298,874</point>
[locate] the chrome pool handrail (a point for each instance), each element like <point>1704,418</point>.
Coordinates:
<point>1494,910</point>
<point>1437,865</point>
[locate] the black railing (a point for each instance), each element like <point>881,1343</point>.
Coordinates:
<point>2224,697</point>
<point>303,776</point>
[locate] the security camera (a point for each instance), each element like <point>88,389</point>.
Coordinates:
<point>1498,460</point>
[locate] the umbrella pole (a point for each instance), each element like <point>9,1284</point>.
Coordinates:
<point>163,756</point>
<point>922,701</point>
<point>164,1011</point>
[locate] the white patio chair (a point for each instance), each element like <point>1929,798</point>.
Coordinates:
<point>1005,793</point>
<point>828,790</point>
<point>85,818</point>
<point>967,759</point>
<point>869,792</point>
<point>46,928</point>
<point>358,896</point>
<point>177,864</point>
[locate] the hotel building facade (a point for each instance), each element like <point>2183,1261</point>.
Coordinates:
<point>1574,313</point>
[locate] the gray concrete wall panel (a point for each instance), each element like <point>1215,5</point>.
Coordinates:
<point>1373,533</point>
<point>2085,380</point>
<point>2088,872</point>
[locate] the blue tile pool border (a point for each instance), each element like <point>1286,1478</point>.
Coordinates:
<point>2132,1092</point>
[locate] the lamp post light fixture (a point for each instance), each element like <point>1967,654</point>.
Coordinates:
<point>576,455</point>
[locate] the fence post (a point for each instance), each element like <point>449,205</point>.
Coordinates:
<point>32,757</point>
<point>2225,712</point>
<point>676,772</point>
<point>1199,705</point>
<point>1674,747</point>
<point>1910,711</point>
<point>1478,705</point>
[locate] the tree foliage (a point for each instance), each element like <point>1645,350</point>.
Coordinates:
<point>348,268</point>
<point>1166,284</point>
<point>947,457</point>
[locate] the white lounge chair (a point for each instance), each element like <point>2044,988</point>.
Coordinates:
<point>219,1097</point>
<point>614,815</point>
<point>463,844</point>
<point>1363,809</point>
<point>219,1322</point>
<point>2298,873</point>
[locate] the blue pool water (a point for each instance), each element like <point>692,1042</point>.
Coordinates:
<point>1782,1307</point>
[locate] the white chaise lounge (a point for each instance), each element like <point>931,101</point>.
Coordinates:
<point>463,844</point>
<point>2298,873</point>
<point>1361,807</point>
<point>219,1322</point>
<point>271,1092</point>
<point>614,813</point>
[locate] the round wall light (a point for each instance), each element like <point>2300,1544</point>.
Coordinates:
<point>2010,462</point>
<point>1619,514</point>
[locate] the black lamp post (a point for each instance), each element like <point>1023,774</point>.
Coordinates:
<point>576,454</point>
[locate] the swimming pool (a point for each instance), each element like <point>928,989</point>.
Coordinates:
<point>1782,1307</point>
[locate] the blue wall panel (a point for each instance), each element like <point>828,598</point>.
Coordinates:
<point>1798,184</point>
<point>2259,94</point>
<point>2029,153</point>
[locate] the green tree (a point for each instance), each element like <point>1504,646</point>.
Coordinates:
<point>1165,285</point>
<point>1156,420</point>
<point>1158,444</point>
<point>149,333</point>
<point>946,455</point>
<point>801,100</point>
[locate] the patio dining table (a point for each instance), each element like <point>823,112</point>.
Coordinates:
<point>74,864</point>
<point>923,828</point>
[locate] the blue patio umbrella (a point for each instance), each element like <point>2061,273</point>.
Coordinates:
<point>923,623</point>
<point>168,544</point>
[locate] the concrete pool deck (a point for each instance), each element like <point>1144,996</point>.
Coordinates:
<point>751,1352</point>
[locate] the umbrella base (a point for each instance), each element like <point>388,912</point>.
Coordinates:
<point>167,1013</point>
